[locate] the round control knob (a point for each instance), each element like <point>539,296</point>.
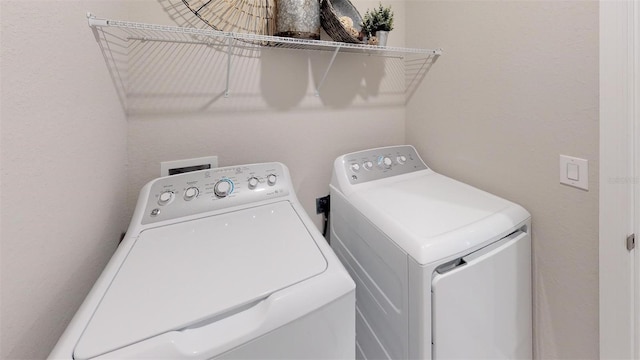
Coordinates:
<point>401,159</point>
<point>223,188</point>
<point>384,162</point>
<point>165,198</point>
<point>368,165</point>
<point>191,193</point>
<point>271,179</point>
<point>355,167</point>
<point>253,183</point>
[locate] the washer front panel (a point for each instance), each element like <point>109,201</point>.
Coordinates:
<point>184,274</point>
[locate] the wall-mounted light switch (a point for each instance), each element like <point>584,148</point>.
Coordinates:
<point>574,172</point>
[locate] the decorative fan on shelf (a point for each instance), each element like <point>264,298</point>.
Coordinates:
<point>242,16</point>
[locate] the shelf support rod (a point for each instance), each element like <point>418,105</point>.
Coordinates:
<point>229,50</point>
<point>326,72</point>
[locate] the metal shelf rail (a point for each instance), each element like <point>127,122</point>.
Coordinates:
<point>418,61</point>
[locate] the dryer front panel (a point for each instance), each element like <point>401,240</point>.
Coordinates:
<point>481,304</point>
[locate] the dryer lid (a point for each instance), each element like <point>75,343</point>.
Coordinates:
<point>432,216</point>
<point>190,273</point>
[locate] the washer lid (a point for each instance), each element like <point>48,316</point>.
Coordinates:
<point>190,273</point>
<point>432,216</point>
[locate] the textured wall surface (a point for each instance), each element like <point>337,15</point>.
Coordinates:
<point>63,169</point>
<point>516,87</point>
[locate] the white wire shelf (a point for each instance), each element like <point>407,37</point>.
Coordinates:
<point>115,37</point>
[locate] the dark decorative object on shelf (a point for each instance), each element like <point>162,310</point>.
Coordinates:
<point>341,20</point>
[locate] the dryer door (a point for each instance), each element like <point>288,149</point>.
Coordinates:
<point>481,308</point>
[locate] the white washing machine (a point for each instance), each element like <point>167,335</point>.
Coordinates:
<point>442,269</point>
<point>223,264</point>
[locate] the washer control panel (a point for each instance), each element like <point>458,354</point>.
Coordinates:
<point>213,189</point>
<point>375,164</point>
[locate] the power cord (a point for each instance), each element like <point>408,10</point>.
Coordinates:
<point>326,224</point>
<point>323,206</point>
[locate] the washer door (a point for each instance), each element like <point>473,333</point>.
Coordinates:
<point>482,304</point>
<point>197,272</point>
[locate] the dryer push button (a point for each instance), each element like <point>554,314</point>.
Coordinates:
<point>271,179</point>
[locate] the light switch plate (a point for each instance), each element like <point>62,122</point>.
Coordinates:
<point>574,172</point>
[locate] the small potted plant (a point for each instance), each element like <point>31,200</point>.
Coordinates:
<point>366,27</point>
<point>378,22</point>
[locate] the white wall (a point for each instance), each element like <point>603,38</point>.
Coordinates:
<point>517,86</point>
<point>63,169</point>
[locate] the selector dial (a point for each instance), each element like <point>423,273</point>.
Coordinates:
<point>272,179</point>
<point>191,193</point>
<point>384,162</point>
<point>368,165</point>
<point>355,167</point>
<point>401,159</point>
<point>223,188</point>
<point>253,183</point>
<point>165,198</point>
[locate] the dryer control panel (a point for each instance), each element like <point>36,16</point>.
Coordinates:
<point>380,163</point>
<point>213,189</point>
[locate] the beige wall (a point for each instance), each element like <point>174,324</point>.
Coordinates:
<point>72,162</point>
<point>272,113</point>
<point>516,87</point>
<point>63,169</point>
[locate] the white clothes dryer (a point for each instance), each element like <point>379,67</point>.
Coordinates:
<point>221,263</point>
<point>442,269</point>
